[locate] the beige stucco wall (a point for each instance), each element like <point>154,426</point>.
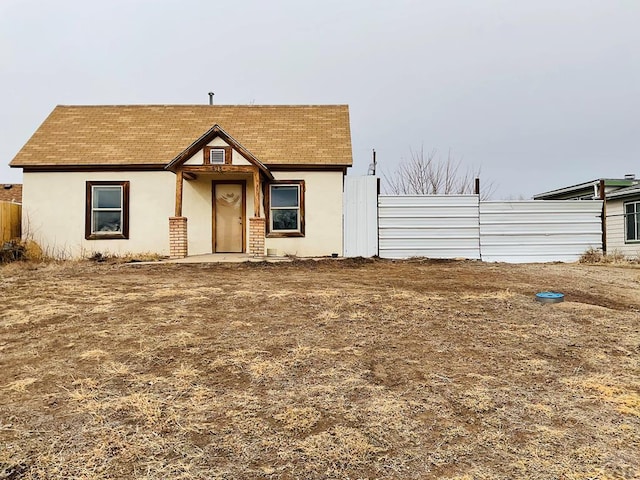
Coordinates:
<point>323,213</point>
<point>197,202</point>
<point>323,216</point>
<point>616,232</point>
<point>54,212</point>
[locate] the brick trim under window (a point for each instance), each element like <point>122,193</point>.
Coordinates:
<point>298,232</point>
<point>207,155</point>
<point>123,233</point>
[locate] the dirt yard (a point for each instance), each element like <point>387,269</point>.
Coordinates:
<point>352,369</point>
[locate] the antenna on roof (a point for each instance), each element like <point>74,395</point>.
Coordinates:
<point>372,165</point>
<point>211,94</point>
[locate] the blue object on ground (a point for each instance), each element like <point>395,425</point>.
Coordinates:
<point>550,297</point>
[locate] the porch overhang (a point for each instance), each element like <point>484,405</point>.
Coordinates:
<point>256,168</point>
<point>190,172</point>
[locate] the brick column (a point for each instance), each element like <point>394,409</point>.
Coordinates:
<point>256,236</point>
<point>177,237</point>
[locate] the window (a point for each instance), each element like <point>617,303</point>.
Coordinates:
<point>632,221</point>
<point>107,211</point>
<point>285,209</point>
<point>217,155</point>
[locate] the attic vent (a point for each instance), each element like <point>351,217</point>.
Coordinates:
<point>216,156</point>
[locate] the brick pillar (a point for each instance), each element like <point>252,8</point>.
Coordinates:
<point>256,236</point>
<point>177,237</point>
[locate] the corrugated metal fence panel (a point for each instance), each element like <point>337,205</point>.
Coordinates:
<point>434,226</point>
<point>539,230</point>
<point>360,206</point>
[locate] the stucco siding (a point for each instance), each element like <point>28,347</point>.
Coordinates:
<point>323,216</point>
<point>616,230</point>
<point>197,207</point>
<point>54,212</point>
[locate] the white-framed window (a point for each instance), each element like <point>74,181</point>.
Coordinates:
<point>286,208</point>
<point>632,221</point>
<point>216,156</point>
<point>107,214</point>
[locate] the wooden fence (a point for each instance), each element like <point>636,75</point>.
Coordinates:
<point>10,221</point>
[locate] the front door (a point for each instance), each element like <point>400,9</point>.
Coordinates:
<point>228,217</point>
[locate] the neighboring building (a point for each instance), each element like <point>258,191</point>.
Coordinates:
<point>187,179</point>
<point>621,221</point>
<point>11,192</point>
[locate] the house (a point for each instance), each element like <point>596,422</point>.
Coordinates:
<point>621,218</point>
<point>11,192</point>
<point>187,180</point>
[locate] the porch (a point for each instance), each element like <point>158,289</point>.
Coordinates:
<point>218,212</point>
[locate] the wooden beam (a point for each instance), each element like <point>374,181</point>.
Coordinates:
<point>602,193</point>
<point>219,168</point>
<point>179,177</point>
<point>256,193</point>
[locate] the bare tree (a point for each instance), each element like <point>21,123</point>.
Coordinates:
<point>429,174</point>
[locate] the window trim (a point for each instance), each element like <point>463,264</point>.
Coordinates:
<point>301,190</point>
<point>88,234</point>
<point>636,204</point>
<point>207,155</point>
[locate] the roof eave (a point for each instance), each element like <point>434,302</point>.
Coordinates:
<point>627,192</point>
<point>92,167</point>
<point>608,182</point>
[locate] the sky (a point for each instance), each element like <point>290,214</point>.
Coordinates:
<point>536,94</point>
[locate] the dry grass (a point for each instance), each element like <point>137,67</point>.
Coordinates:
<point>311,370</point>
<point>596,256</point>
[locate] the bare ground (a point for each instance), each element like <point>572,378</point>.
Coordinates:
<point>352,369</point>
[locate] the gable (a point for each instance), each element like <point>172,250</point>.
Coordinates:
<point>152,136</point>
<point>216,135</point>
<point>198,157</point>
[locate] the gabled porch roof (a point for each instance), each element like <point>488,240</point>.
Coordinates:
<point>215,132</point>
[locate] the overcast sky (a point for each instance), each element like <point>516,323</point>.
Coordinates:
<point>538,94</point>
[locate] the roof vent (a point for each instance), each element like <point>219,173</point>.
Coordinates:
<point>211,94</point>
<point>8,186</point>
<point>630,176</point>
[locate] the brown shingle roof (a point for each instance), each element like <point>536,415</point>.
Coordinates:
<point>11,192</point>
<point>156,134</point>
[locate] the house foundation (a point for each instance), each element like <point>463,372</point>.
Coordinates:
<point>178,237</point>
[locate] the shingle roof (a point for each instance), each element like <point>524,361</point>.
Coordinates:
<point>155,134</point>
<point>11,192</point>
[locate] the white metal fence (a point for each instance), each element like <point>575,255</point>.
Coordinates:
<point>360,206</point>
<point>539,230</point>
<point>437,226</point>
<point>462,226</point>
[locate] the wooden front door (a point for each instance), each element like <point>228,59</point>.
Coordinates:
<point>229,207</point>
